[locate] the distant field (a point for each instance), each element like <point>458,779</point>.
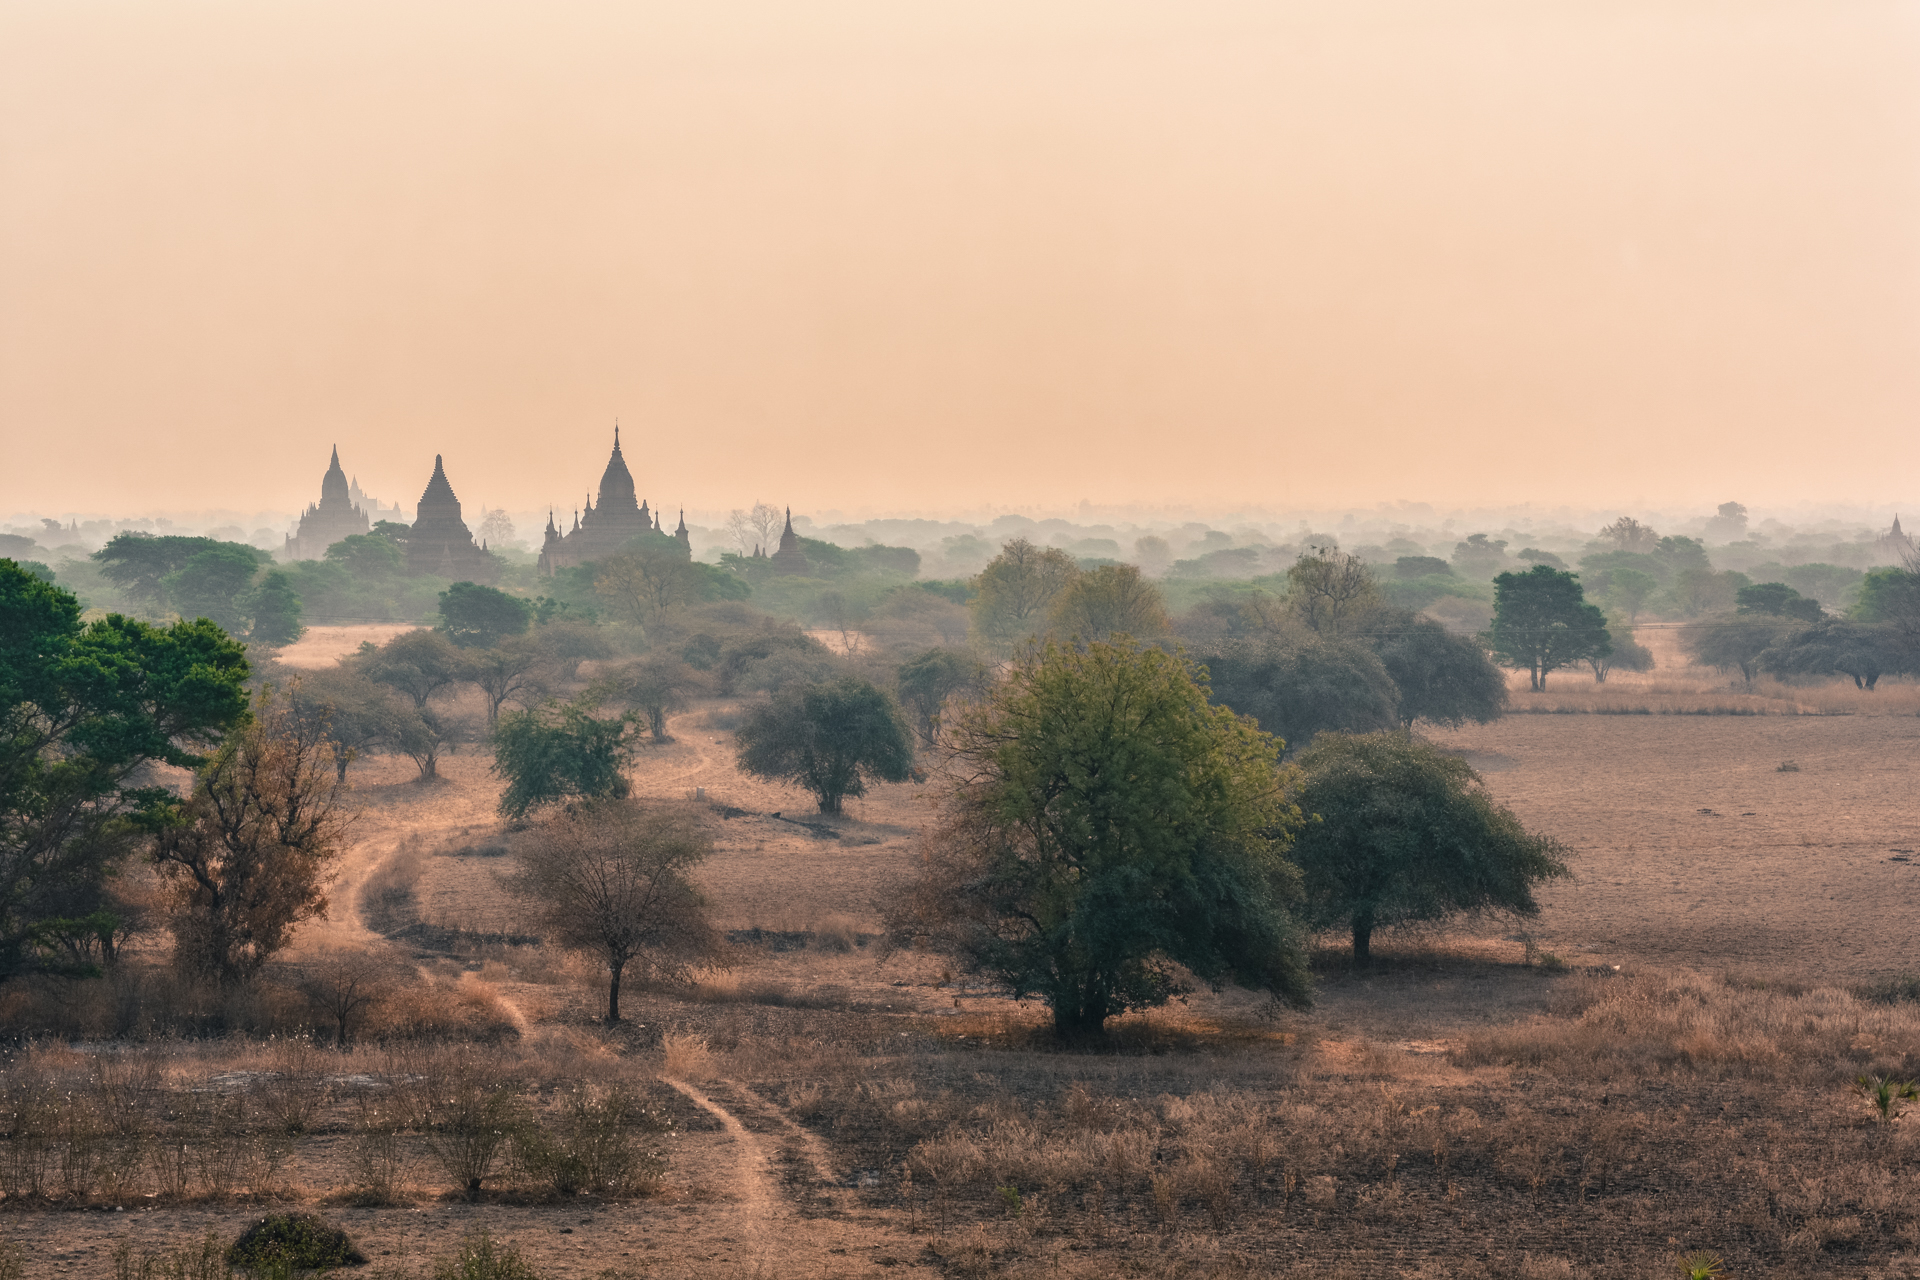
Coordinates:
<point>324,646</point>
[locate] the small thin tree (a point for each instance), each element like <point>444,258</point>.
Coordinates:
<point>266,822</point>
<point>610,879</point>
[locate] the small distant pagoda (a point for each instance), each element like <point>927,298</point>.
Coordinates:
<point>600,530</point>
<point>440,542</point>
<point>790,559</point>
<point>334,517</point>
<point>1895,542</point>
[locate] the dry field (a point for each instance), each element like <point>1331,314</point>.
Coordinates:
<point>1457,1112</point>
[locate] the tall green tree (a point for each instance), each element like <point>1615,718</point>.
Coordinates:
<point>1295,688</point>
<point>1014,594</point>
<point>1864,651</point>
<point>831,739</point>
<point>274,605</point>
<point>1778,600</point>
<point>1115,829</point>
<point>479,617</point>
<point>139,562</point>
<point>556,753</point>
<point>1440,677</point>
<point>1400,831</point>
<point>212,583</point>
<point>1108,600</point>
<point>1542,622</point>
<point>82,711</point>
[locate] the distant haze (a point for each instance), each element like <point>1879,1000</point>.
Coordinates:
<point>894,255</point>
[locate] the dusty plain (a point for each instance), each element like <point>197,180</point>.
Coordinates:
<point>1464,1110</point>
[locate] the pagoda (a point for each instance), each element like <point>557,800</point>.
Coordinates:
<point>334,517</point>
<point>790,559</point>
<point>603,528</point>
<point>440,542</point>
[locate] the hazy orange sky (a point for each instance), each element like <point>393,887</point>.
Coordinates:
<point>888,256</point>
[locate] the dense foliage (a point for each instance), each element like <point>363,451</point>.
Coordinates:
<point>830,739</point>
<point>1113,826</point>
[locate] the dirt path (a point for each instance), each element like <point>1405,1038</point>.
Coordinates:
<point>751,1182</point>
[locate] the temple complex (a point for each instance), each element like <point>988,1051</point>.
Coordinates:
<point>790,558</point>
<point>601,529</point>
<point>440,542</point>
<point>334,517</point>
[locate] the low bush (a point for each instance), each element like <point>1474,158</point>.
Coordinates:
<point>293,1242</point>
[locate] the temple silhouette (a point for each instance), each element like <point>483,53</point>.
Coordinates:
<point>600,530</point>
<point>334,517</point>
<point>440,542</point>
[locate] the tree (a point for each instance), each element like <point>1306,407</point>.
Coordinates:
<point>1402,831</point>
<point>1863,650</point>
<point>342,984</point>
<point>1015,592</point>
<point>1692,592</point>
<point>1733,641</point>
<point>274,606</point>
<point>1331,591</point>
<point>1479,557</point>
<point>1627,590</point>
<point>927,680</point>
<point>418,664</point>
<point>654,685</point>
<point>642,584</point>
<point>1628,654</point>
<point>611,879</point>
<point>1110,599</point>
<point>1778,600</point>
<point>352,712</point>
<point>212,583</point>
<point>1542,622</point>
<point>560,752</point>
<point>1113,827</point>
<point>829,739</point>
<point>1440,677</point>
<point>1628,534</point>
<point>265,824</point>
<point>1294,689</point>
<point>138,563</point>
<point>83,710</point>
<point>477,617</point>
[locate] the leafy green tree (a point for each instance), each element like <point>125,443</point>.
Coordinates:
<point>1628,654</point>
<point>1112,599</point>
<point>1890,599</point>
<point>1115,827</point>
<point>1864,651</point>
<point>829,739</point>
<point>611,879</point>
<point>1479,556</point>
<point>38,570</point>
<point>1542,622</point>
<point>1421,567</point>
<point>560,752</point>
<point>928,679</point>
<point>1401,831</point>
<point>1014,594</point>
<point>138,563</point>
<point>82,711</point>
<point>274,606</point>
<point>477,617</point>
<point>1295,689</point>
<point>1331,591</point>
<point>211,584</point>
<point>1778,600</point>
<point>1734,641</point>
<point>369,556</point>
<point>1439,677</point>
<point>265,824</point>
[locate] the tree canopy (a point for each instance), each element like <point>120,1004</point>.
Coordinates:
<point>929,678</point>
<point>1542,622</point>
<point>1400,831</point>
<point>610,879</point>
<point>1864,651</point>
<point>82,709</point>
<point>556,753</point>
<point>1111,599</point>
<point>1295,688</point>
<point>1440,677</point>
<point>1114,825</point>
<point>1014,594</point>
<point>831,739</point>
<point>480,617</point>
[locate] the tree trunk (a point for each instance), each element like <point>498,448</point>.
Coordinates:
<point>1363,940</point>
<point>830,803</point>
<point>613,993</point>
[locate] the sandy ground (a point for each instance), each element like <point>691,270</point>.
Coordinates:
<point>323,646</point>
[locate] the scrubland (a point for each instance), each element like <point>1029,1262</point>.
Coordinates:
<point>1664,1062</point>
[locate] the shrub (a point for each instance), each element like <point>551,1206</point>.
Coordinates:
<point>469,1122</point>
<point>594,1145</point>
<point>481,1258</point>
<point>291,1241</point>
